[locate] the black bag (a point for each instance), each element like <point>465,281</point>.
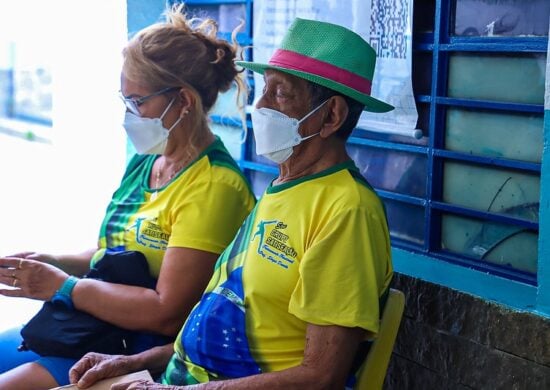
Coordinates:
<point>57,330</point>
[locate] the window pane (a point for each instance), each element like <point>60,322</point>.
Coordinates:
<point>423,123</point>
<point>260,181</point>
<point>500,77</point>
<point>32,82</point>
<point>498,191</point>
<point>422,72</point>
<point>226,108</point>
<point>6,79</point>
<point>391,170</point>
<point>496,243</point>
<point>502,17</point>
<point>406,222</point>
<point>231,137</point>
<point>513,136</point>
<point>424,16</point>
<point>228,15</point>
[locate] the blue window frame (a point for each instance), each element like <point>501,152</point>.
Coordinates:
<point>484,81</point>
<point>464,200</point>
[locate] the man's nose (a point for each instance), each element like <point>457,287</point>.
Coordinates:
<point>261,103</point>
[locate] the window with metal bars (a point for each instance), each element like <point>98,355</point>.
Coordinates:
<point>468,191</point>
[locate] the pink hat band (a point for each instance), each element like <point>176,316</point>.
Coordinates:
<point>294,61</point>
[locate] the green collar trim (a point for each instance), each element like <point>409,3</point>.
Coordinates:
<point>272,189</point>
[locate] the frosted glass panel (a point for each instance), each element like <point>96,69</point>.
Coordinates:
<point>495,243</point>
<point>512,136</point>
<point>502,18</point>
<point>499,77</point>
<point>498,191</point>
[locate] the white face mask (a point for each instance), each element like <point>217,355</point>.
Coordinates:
<point>276,134</point>
<point>148,135</point>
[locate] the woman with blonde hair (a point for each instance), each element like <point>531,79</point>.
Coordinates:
<point>180,201</point>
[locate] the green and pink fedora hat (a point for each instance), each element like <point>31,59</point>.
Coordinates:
<point>328,55</point>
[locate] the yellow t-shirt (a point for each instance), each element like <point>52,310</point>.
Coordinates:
<point>315,250</point>
<point>202,208</point>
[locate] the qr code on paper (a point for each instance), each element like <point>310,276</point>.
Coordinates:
<point>389,19</point>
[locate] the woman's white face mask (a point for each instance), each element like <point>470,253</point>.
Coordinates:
<point>148,135</point>
<point>276,134</point>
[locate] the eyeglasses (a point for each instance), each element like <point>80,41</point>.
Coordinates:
<point>133,104</point>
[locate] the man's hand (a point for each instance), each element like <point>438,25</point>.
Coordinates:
<point>143,385</point>
<point>96,366</point>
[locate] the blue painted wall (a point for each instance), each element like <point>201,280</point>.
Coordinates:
<point>142,13</point>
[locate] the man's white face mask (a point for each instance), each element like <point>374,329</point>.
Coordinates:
<point>276,134</point>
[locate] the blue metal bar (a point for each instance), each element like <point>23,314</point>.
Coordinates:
<point>508,46</point>
<point>432,225</point>
<point>477,264</point>
<point>10,90</point>
<point>259,167</point>
<point>423,98</point>
<point>226,121</point>
<point>485,104</point>
<point>485,215</point>
<point>387,145</point>
<point>504,45</point>
<point>401,197</point>
<point>213,2</point>
<point>242,38</point>
<point>249,12</point>
<point>33,119</point>
<point>490,161</point>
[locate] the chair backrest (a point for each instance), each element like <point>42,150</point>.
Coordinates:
<point>373,372</point>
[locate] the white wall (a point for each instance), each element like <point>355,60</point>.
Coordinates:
<point>53,196</point>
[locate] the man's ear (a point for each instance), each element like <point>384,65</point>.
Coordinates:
<point>335,115</point>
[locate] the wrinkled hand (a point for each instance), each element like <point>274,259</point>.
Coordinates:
<point>30,278</point>
<point>143,385</point>
<point>96,366</point>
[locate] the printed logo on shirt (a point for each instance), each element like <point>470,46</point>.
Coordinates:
<point>149,233</point>
<point>273,243</point>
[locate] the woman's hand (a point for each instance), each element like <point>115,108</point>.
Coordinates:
<point>43,257</point>
<point>30,278</point>
<point>96,366</point>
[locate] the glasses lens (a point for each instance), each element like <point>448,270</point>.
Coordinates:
<point>130,104</point>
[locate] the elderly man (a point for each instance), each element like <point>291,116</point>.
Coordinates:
<point>301,285</point>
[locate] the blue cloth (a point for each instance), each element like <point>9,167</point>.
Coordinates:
<point>58,368</point>
<point>11,357</point>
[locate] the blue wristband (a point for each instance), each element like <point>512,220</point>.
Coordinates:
<point>63,295</point>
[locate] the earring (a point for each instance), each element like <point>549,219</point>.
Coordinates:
<point>184,113</point>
